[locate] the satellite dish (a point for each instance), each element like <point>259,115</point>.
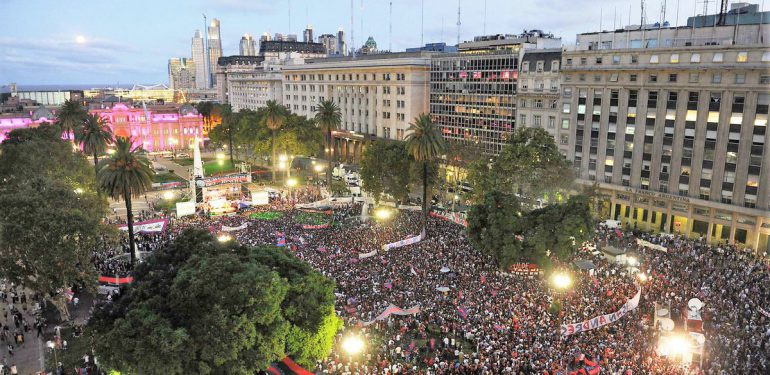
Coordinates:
<point>695,304</point>
<point>666,324</point>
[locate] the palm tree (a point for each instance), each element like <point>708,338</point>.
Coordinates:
<point>94,137</point>
<point>275,115</point>
<point>328,118</point>
<point>425,144</point>
<point>71,116</point>
<point>125,174</point>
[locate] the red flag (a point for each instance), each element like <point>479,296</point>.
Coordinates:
<point>483,279</point>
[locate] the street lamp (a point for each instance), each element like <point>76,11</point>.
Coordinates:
<point>561,281</point>
<point>352,345</point>
<point>317,168</point>
<point>224,238</point>
<point>169,195</point>
<point>291,183</point>
<point>641,276</point>
<point>382,213</point>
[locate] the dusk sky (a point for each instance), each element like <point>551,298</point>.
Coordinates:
<point>105,42</point>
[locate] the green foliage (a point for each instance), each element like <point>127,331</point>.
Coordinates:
<point>49,211</point>
<point>385,169</point>
<point>339,189</point>
<point>498,228</point>
<point>71,116</point>
<point>200,307</point>
<point>328,118</point>
<point>425,144</point>
<point>530,164</point>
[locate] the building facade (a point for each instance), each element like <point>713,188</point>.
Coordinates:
<point>307,34</point>
<point>215,49</point>
<point>248,46</point>
<point>378,95</point>
<point>670,126</point>
<point>248,82</point>
<point>538,94</point>
<point>329,42</point>
<point>199,60</point>
<point>181,73</point>
<point>276,49</point>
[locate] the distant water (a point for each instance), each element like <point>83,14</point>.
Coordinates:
<point>71,87</point>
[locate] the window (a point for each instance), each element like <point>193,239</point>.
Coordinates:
<point>566,107</point>
<point>695,58</point>
<point>614,77</point>
<point>523,120</point>
<point>551,122</point>
<point>764,79</point>
<point>694,77</point>
<point>569,62</point>
<point>634,59</point>
<point>742,57</point>
<point>536,121</point>
<point>555,66</point>
<point>598,60</point>
<point>740,78</point>
<point>716,78</point>
<point>653,59</point>
<point>766,57</point>
<point>718,57</point>
<point>565,123</point>
<point>653,78</point>
<point>632,77</point>
<point>525,67</point>
<point>674,58</point>
<point>672,77</point>
<point>583,60</point>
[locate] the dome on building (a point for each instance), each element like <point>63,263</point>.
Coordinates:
<point>187,109</point>
<point>42,113</point>
<point>371,44</point>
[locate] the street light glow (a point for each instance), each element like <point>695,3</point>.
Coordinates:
<point>110,151</point>
<point>641,276</point>
<point>169,195</point>
<point>318,168</point>
<point>353,345</point>
<point>382,213</point>
<point>224,238</point>
<point>561,281</point>
<point>676,345</point>
<point>78,191</point>
<point>632,261</point>
<point>291,182</point>
<point>220,156</point>
<point>282,158</point>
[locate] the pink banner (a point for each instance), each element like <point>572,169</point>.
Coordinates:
<point>319,226</point>
<point>404,242</point>
<point>602,320</point>
<point>393,310</point>
<point>149,226</point>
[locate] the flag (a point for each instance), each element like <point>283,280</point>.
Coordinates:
<point>483,279</point>
<point>388,285</point>
<point>463,312</point>
<point>432,343</point>
<point>281,241</point>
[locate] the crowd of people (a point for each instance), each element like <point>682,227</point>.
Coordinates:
<point>473,318</point>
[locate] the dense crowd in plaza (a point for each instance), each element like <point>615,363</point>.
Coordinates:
<point>494,322</point>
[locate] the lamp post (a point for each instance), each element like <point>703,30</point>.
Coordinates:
<point>317,168</point>
<point>352,345</point>
<point>382,213</point>
<point>561,281</point>
<point>172,141</point>
<point>291,183</point>
<point>52,345</point>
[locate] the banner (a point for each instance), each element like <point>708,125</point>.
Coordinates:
<point>393,310</point>
<point>150,226</point>
<point>115,280</point>
<point>319,226</point>
<point>232,229</point>
<point>367,255</point>
<point>651,245</point>
<point>404,242</point>
<point>602,320</point>
<point>454,217</point>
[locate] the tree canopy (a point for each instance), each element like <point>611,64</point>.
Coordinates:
<point>49,211</point>
<point>385,169</point>
<point>200,307</point>
<point>498,227</point>
<point>530,164</point>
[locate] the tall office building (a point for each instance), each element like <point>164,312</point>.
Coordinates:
<point>670,125</point>
<point>199,59</point>
<point>473,92</point>
<point>181,73</point>
<point>342,47</point>
<point>215,49</point>
<point>538,97</point>
<point>248,46</point>
<point>307,35</point>
<point>329,42</point>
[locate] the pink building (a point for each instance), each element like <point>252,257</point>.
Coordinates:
<point>156,129</point>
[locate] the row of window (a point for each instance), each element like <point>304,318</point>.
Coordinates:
<point>674,58</point>
<point>346,77</point>
<point>715,78</point>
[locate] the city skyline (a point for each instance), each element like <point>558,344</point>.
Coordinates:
<point>131,46</point>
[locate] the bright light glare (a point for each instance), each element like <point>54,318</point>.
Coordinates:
<point>80,39</point>
<point>632,261</point>
<point>282,165</point>
<point>675,346</point>
<point>282,158</point>
<point>642,276</point>
<point>220,156</point>
<point>353,345</point>
<point>318,168</point>
<point>224,238</point>
<point>291,182</point>
<point>110,151</point>
<point>561,281</point>
<point>382,213</point>
<point>168,195</point>
<point>78,191</point>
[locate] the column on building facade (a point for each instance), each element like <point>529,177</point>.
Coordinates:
<point>709,231</point>
<point>733,223</point>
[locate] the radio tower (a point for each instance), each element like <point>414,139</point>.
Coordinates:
<point>352,30</point>
<point>390,28</point>
<point>458,23</point>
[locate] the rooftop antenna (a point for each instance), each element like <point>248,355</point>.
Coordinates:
<point>723,13</point>
<point>677,13</point>
<point>422,22</point>
<point>352,30</point>
<point>289,16</point>
<point>390,28</point>
<point>485,17</point>
<point>643,18</point>
<point>361,29</point>
<point>705,7</point>
<point>458,23</point>
<point>662,12</point>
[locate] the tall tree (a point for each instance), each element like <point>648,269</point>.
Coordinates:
<point>200,307</point>
<point>123,175</point>
<point>425,144</point>
<point>328,117</point>
<point>275,115</point>
<point>94,137</point>
<point>204,109</point>
<point>229,123</point>
<point>385,169</point>
<point>49,213</point>
<point>71,116</point>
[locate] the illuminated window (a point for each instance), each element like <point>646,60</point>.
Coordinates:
<point>718,57</point>
<point>674,58</point>
<point>653,59</point>
<point>742,57</point>
<point>766,57</point>
<point>695,58</point>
